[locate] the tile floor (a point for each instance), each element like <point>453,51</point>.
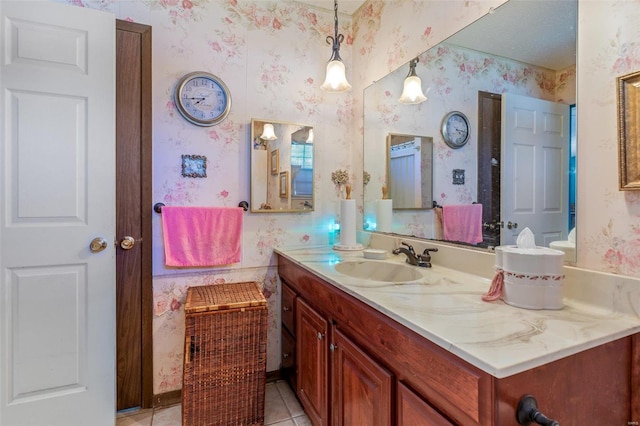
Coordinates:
<point>281,408</point>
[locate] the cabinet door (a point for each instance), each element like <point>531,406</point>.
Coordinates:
<point>288,362</point>
<point>414,411</point>
<point>360,387</point>
<point>288,308</point>
<point>311,356</point>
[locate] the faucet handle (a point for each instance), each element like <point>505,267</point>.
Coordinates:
<point>409,246</point>
<point>426,257</point>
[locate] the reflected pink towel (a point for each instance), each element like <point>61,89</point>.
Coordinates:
<point>462,223</point>
<point>202,236</point>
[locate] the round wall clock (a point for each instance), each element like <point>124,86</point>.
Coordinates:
<point>455,129</point>
<point>202,98</point>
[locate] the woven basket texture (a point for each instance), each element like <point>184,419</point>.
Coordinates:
<point>225,355</point>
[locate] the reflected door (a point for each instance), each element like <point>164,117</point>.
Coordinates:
<point>535,169</point>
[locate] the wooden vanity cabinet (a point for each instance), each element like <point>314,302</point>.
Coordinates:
<point>360,388</point>
<point>381,372</point>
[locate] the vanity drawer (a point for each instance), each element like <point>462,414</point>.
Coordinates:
<point>288,308</point>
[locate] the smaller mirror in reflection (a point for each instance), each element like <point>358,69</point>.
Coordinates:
<point>410,171</point>
<point>281,149</point>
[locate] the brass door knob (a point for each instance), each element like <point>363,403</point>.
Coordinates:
<point>97,244</point>
<point>127,243</point>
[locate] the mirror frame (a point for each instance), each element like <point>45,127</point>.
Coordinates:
<point>628,131</point>
<point>279,174</point>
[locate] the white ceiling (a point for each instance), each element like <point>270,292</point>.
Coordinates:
<point>542,36</point>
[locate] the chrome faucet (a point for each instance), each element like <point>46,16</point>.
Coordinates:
<point>422,260</point>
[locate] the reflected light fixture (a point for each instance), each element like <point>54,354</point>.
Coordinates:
<point>412,92</point>
<point>336,79</point>
<point>267,133</point>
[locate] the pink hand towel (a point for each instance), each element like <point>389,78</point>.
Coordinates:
<point>202,236</point>
<point>462,223</point>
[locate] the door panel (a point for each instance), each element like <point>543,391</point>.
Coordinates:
<point>535,169</point>
<point>313,366</point>
<point>57,298</point>
<point>361,388</point>
<point>415,411</point>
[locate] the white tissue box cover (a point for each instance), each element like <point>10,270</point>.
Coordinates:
<point>533,278</point>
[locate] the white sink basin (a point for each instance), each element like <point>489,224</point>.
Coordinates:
<point>379,270</point>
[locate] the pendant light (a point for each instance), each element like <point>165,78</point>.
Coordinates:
<point>412,92</point>
<point>268,134</point>
<point>336,79</point>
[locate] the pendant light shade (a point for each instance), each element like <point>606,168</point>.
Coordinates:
<point>310,136</point>
<point>412,92</point>
<point>268,134</point>
<point>336,78</point>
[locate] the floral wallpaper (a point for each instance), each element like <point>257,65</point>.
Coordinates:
<point>608,237</point>
<point>272,56</point>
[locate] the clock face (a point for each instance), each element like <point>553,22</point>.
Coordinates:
<point>455,129</point>
<point>202,98</point>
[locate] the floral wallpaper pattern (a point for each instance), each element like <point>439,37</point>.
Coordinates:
<point>272,55</point>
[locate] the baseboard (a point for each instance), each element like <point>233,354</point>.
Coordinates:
<point>167,398</point>
<point>273,376</point>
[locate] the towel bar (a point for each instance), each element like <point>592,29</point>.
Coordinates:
<point>157,207</point>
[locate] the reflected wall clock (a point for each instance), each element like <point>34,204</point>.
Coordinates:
<point>455,129</point>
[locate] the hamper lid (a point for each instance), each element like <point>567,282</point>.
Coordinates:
<point>224,296</point>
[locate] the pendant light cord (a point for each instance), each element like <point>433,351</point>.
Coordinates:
<point>337,39</point>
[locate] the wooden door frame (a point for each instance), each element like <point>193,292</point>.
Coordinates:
<point>486,150</point>
<point>146,145</point>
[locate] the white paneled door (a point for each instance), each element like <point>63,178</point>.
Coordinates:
<point>57,165</point>
<point>535,169</point>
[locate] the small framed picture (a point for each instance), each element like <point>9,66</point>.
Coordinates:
<point>275,167</point>
<point>194,166</point>
<point>284,184</point>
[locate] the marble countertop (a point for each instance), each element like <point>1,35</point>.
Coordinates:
<point>445,306</point>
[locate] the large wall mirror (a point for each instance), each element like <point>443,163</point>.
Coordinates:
<point>281,167</point>
<point>512,74</point>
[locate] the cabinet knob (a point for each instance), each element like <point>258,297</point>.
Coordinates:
<point>286,308</point>
<point>333,347</point>
<point>320,336</point>
<point>285,355</point>
<point>527,413</point>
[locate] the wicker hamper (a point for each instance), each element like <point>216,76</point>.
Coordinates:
<point>224,355</point>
